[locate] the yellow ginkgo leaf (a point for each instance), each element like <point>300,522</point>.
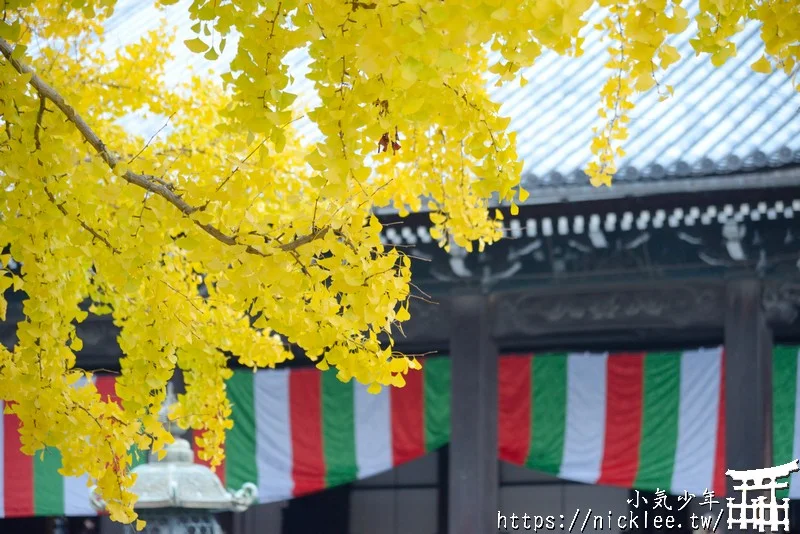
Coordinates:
<point>762,65</point>
<point>196,45</point>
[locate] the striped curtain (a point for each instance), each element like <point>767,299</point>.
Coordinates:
<point>644,420</point>
<point>786,413</point>
<point>295,432</point>
<point>300,431</point>
<point>649,421</point>
<point>32,486</point>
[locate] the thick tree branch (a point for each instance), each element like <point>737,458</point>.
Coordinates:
<point>147,182</point>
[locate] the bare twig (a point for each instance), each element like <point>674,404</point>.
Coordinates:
<point>38,144</point>
<point>182,295</point>
<point>426,295</point>
<point>85,226</point>
<point>236,169</point>
<point>299,262</point>
<point>423,299</point>
<point>147,144</point>
<point>98,370</point>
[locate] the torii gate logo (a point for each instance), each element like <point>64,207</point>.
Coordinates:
<point>761,512</point>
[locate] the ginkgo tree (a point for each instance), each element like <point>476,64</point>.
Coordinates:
<point>229,239</point>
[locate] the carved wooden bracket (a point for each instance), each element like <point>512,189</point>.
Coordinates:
<point>781,301</point>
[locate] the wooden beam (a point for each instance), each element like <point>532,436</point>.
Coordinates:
<point>620,316</point>
<point>473,477</point>
<point>748,380</point>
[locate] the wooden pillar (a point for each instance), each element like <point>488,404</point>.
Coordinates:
<point>748,381</point>
<point>443,481</point>
<point>473,490</point>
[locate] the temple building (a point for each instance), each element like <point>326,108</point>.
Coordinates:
<point>613,356</point>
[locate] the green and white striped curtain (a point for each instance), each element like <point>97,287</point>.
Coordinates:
<point>785,414</point>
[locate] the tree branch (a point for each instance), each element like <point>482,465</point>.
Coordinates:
<point>38,144</point>
<point>145,181</point>
<point>150,141</point>
<point>38,126</point>
<point>85,226</point>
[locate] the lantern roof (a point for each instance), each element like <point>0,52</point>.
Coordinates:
<point>176,482</point>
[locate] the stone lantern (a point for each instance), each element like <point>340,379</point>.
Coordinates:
<point>178,496</point>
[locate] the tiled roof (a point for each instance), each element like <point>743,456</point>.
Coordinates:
<point>720,121</point>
